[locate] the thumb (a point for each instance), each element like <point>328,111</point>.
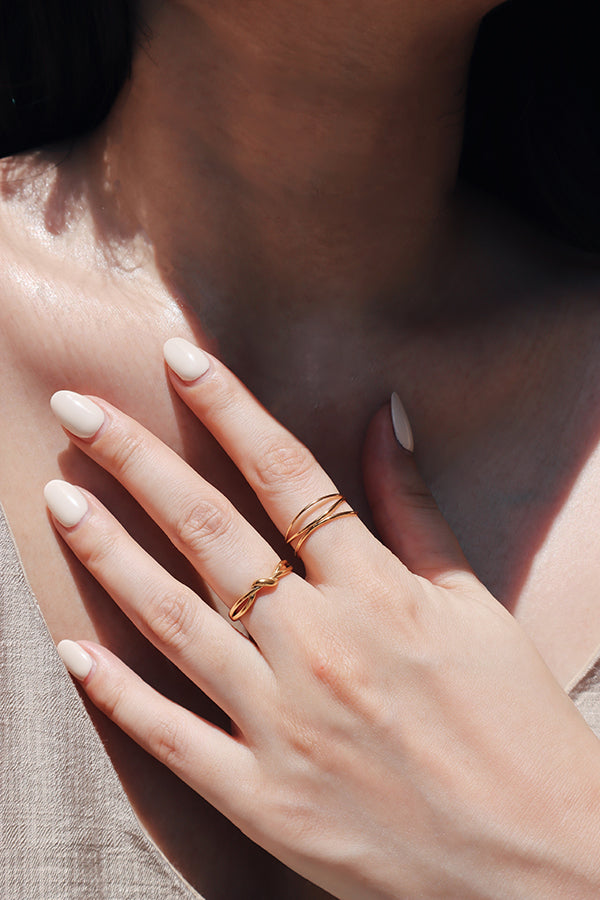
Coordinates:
<point>404,510</point>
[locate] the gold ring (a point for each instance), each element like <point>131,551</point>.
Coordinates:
<point>241,606</point>
<point>328,516</point>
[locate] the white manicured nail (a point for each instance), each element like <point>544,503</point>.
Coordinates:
<point>402,428</point>
<point>66,502</point>
<point>186,360</point>
<point>76,660</point>
<point>81,416</point>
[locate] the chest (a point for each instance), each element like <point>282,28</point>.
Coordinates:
<point>533,538</point>
<point>515,473</point>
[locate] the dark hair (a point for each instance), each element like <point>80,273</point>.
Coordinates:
<point>532,133</point>
<point>62,63</point>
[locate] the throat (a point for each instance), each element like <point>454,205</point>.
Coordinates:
<point>300,156</point>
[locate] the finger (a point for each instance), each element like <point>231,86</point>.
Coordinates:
<point>214,764</point>
<point>224,548</point>
<point>281,470</point>
<point>193,636</point>
<point>405,512</point>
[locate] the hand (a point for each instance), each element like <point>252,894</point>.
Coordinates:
<point>396,733</point>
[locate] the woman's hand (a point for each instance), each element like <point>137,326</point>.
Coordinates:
<point>396,733</point>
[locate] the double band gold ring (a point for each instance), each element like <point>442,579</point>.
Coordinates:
<point>297,538</point>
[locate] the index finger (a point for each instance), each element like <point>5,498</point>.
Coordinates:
<point>281,470</point>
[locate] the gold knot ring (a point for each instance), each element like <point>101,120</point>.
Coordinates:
<point>328,515</point>
<point>245,603</point>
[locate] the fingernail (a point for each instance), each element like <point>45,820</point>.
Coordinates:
<point>402,428</point>
<point>81,416</point>
<point>186,360</point>
<point>77,661</point>
<point>66,502</point>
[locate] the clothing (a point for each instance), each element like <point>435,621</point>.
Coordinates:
<point>67,828</point>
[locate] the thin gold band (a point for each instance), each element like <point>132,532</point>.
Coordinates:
<point>241,606</point>
<point>329,515</point>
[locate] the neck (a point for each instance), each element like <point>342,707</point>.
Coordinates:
<point>288,151</point>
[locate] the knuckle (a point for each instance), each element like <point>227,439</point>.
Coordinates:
<point>173,620</point>
<point>334,671</point>
<point>418,496</point>
<point>125,453</point>
<point>113,693</point>
<point>386,602</point>
<point>203,523</point>
<point>293,812</point>
<point>167,742</point>
<point>339,670</point>
<point>223,399</point>
<point>282,463</point>
<point>103,550</point>
<point>460,581</point>
<point>393,595</point>
<point>411,611</point>
<point>306,743</point>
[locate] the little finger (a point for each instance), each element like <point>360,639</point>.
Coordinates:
<point>217,766</point>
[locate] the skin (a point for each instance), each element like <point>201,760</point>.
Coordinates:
<point>391,281</point>
<point>381,773</point>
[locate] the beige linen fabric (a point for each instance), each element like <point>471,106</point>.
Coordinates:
<point>585,694</point>
<point>67,829</point>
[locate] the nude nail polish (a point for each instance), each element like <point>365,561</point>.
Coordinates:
<point>80,415</point>
<point>76,660</point>
<point>402,428</point>
<point>65,502</point>
<point>186,360</point>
